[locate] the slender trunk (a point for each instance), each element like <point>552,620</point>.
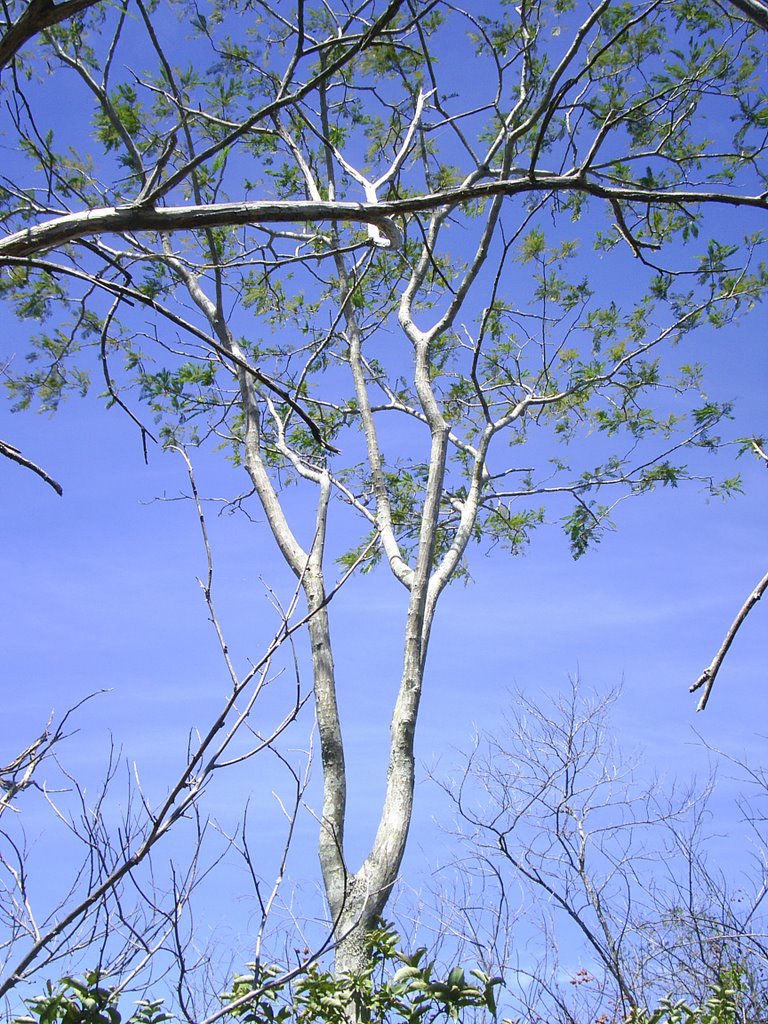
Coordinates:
<point>358,900</point>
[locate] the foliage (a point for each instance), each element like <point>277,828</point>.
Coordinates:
<point>393,987</point>
<point>86,1001</point>
<point>724,1006</point>
<point>552,352</point>
<point>383,994</point>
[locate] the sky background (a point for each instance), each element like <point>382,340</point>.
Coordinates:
<point>100,592</point>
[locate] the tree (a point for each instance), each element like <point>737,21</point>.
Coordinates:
<point>298,242</point>
<point>120,908</point>
<point>623,877</point>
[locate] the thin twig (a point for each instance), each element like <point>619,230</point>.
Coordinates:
<point>15,455</point>
<point>708,676</point>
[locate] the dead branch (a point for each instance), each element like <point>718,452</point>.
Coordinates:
<point>38,16</point>
<point>12,453</point>
<point>708,676</point>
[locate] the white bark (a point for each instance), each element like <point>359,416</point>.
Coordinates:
<point>72,227</point>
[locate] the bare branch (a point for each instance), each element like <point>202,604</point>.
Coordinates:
<point>36,17</point>
<point>708,676</point>
<point>166,219</point>
<point>755,10</point>
<point>12,453</point>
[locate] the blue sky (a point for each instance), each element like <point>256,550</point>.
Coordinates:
<point>100,593</point>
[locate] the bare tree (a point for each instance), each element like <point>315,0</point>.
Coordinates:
<point>125,915</point>
<point>302,243</point>
<point>607,877</point>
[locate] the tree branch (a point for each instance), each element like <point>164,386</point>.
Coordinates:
<point>708,676</point>
<point>755,10</point>
<point>38,16</point>
<point>15,455</point>
<point>132,218</point>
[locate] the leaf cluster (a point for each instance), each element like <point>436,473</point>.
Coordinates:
<point>394,986</point>
<point>724,1006</point>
